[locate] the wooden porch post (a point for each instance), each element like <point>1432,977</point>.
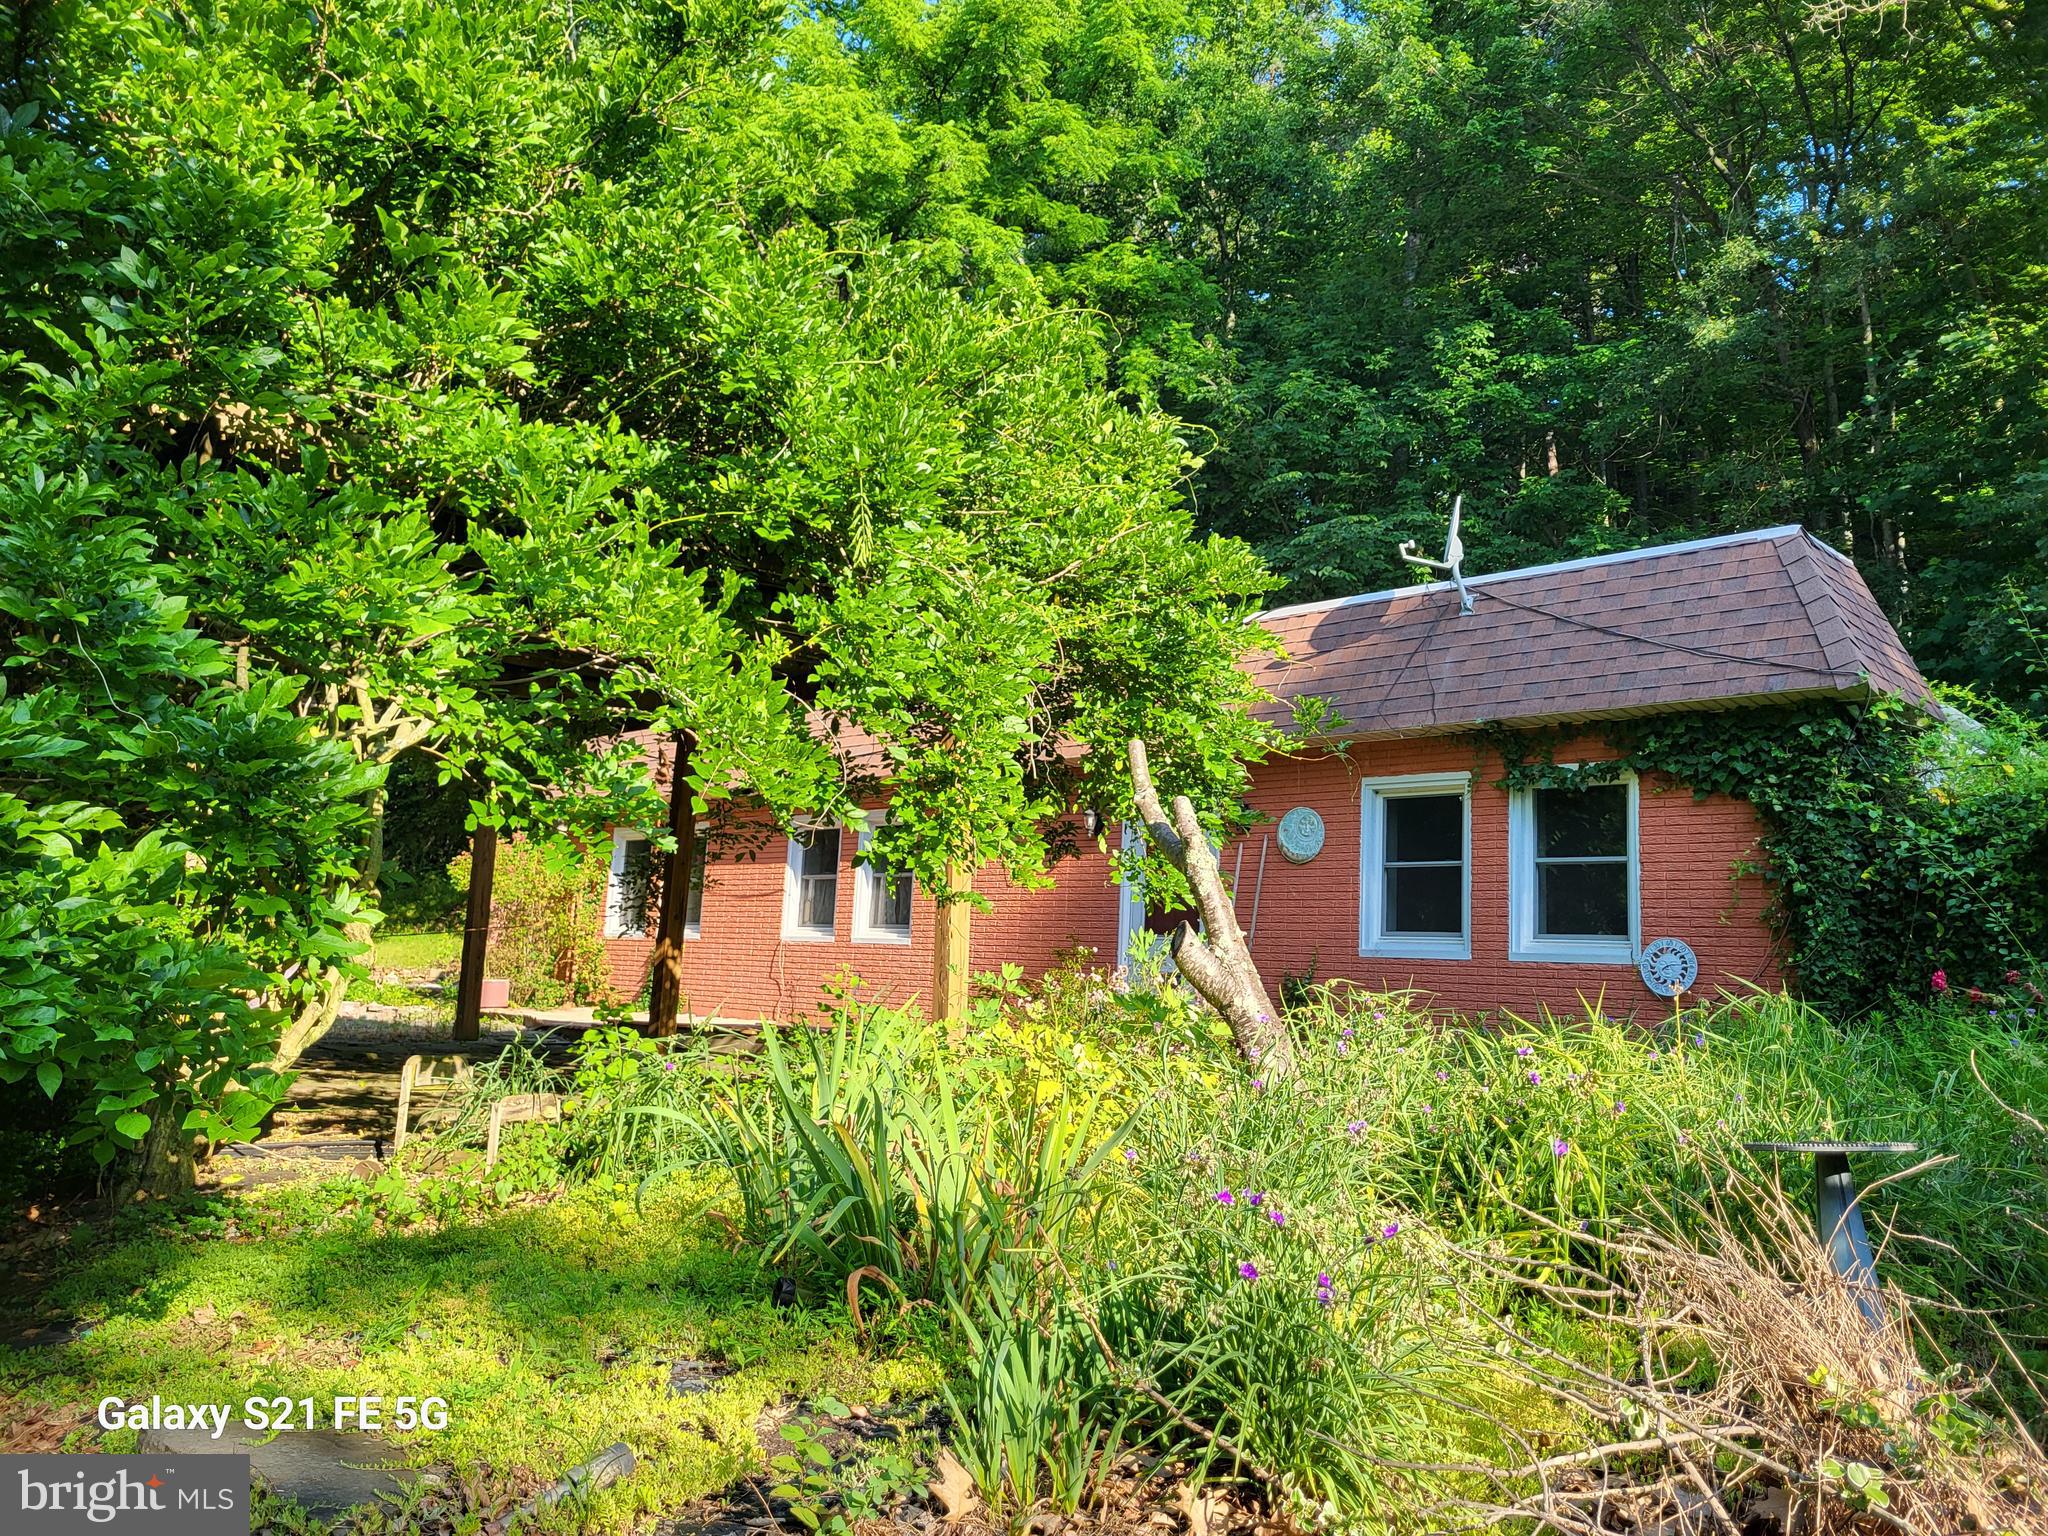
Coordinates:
<point>476,933</point>
<point>665,992</point>
<point>950,949</point>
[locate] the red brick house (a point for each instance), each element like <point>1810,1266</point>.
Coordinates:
<point>1414,869</point>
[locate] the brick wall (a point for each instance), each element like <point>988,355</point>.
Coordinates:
<point>742,967</point>
<point>1308,915</point>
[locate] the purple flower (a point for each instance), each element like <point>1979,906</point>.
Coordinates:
<point>1130,1154</point>
<point>1254,1198</point>
<point>1347,1034</point>
<point>1559,1146</point>
<point>1391,1229</point>
<point>1343,1047</point>
<point>1248,1270</point>
<point>1535,1079</point>
<point>1355,1129</point>
<point>1621,1106</point>
<point>1427,1110</point>
<point>1525,1051</point>
<point>1278,1218</point>
<point>1225,1197</point>
<point>1700,1040</point>
<point>1258,1085</point>
<point>1443,1077</point>
<point>1323,1281</point>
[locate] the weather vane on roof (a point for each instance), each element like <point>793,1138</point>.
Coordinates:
<point>1453,562</point>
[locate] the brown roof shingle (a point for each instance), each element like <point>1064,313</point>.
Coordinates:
<point>1769,616</point>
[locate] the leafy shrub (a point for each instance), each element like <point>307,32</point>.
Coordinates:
<point>546,939</point>
<point>868,1150</point>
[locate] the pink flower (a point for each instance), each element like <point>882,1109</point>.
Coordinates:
<point>1938,982</point>
<point>1225,1197</point>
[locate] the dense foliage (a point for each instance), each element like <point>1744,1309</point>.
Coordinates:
<point>472,383</point>
<point>1619,271</point>
<point>1114,1239</point>
<point>172,847</point>
<point>1905,858</point>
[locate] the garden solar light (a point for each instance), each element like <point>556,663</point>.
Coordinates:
<point>1838,1218</point>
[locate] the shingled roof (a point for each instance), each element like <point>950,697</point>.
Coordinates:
<point>1770,616</point>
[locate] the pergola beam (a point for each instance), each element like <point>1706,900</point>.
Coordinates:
<point>476,933</point>
<point>665,989</point>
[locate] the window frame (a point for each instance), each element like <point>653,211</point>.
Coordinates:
<point>1373,938</point>
<point>865,878</point>
<point>1526,943</point>
<point>794,932</point>
<point>621,836</point>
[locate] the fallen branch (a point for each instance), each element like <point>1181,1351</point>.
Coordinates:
<point>1215,960</point>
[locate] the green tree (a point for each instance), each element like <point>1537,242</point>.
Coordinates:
<point>487,380</point>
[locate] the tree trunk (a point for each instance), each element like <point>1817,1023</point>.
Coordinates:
<point>1218,963</point>
<point>311,1021</point>
<point>165,1163</point>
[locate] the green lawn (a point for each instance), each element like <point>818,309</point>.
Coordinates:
<point>548,1330</point>
<point>417,951</point>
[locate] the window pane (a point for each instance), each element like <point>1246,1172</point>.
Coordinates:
<point>888,902</point>
<point>815,900</point>
<point>1427,900</point>
<point>1582,823</point>
<point>693,905</point>
<point>634,898</point>
<point>821,850</point>
<point>1583,900</point>
<point>1425,827</point>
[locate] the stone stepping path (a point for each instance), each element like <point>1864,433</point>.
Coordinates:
<point>325,1471</point>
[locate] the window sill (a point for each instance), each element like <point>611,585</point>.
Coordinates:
<point>1418,949</point>
<point>1573,952</point>
<point>882,937</point>
<point>810,935</point>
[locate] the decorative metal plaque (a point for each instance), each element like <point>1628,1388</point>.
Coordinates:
<point>1301,835</point>
<point>1668,966</point>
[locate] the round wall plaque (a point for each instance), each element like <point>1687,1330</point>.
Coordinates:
<point>1301,835</point>
<point>1668,966</point>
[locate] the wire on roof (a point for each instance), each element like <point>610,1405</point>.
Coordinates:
<point>1703,652</point>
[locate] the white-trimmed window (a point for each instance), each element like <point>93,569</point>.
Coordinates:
<point>810,894</point>
<point>881,903</point>
<point>631,904</point>
<point>1415,881</point>
<point>1573,874</point>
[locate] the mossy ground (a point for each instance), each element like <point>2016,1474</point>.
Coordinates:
<point>547,1328</point>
